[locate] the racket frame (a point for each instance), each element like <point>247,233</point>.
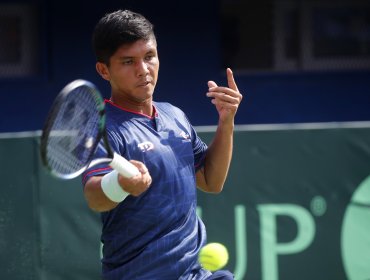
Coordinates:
<point>54,110</point>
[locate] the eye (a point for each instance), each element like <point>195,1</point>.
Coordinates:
<point>127,62</point>
<point>149,57</point>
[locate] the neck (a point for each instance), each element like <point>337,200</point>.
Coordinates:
<point>144,107</point>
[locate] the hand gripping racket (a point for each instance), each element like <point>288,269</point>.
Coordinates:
<point>73,128</point>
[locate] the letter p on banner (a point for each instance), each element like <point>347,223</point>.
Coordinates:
<point>270,248</point>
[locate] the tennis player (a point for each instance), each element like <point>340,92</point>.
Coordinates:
<point>150,227</point>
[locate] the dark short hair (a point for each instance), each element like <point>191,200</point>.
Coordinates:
<point>118,28</point>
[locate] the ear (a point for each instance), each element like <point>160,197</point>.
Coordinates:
<point>103,70</point>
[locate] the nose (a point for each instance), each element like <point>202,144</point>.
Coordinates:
<point>142,68</point>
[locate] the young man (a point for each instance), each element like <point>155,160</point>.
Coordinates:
<point>150,227</point>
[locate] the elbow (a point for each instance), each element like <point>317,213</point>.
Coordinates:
<point>98,204</point>
<point>217,189</point>
<point>210,184</point>
<point>94,206</point>
<point>100,207</point>
<point>213,189</point>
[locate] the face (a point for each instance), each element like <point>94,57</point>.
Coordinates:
<point>133,71</point>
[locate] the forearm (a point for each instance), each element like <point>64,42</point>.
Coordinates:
<point>115,188</point>
<point>212,176</point>
<point>218,158</point>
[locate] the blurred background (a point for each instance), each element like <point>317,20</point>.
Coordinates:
<point>297,200</point>
<point>294,61</point>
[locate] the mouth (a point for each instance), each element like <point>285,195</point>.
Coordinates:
<point>144,84</point>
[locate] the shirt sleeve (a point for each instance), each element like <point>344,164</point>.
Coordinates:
<point>99,169</point>
<point>199,149</point>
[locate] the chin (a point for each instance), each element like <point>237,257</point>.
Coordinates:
<point>145,97</point>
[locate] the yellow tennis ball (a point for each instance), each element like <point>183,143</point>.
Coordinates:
<point>213,256</point>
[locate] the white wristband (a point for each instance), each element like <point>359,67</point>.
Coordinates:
<point>112,188</point>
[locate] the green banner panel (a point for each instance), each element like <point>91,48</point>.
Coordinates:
<point>286,211</point>
<point>19,252</point>
<point>69,231</point>
<point>296,205</point>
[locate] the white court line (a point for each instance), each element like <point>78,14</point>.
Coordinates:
<point>289,126</point>
<point>238,127</point>
<point>22,134</point>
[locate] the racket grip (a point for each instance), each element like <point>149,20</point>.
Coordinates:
<point>123,166</point>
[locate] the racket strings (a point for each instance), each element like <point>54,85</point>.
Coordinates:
<point>74,131</point>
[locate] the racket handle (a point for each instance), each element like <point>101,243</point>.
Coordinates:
<point>123,166</point>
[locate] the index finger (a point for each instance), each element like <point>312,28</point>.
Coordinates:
<point>230,79</point>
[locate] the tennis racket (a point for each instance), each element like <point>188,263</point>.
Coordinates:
<point>72,131</point>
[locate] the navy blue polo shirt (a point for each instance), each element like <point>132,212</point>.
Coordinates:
<point>156,235</point>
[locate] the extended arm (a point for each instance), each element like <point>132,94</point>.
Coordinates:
<point>212,176</point>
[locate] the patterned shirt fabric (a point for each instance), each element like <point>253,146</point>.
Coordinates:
<point>156,235</point>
